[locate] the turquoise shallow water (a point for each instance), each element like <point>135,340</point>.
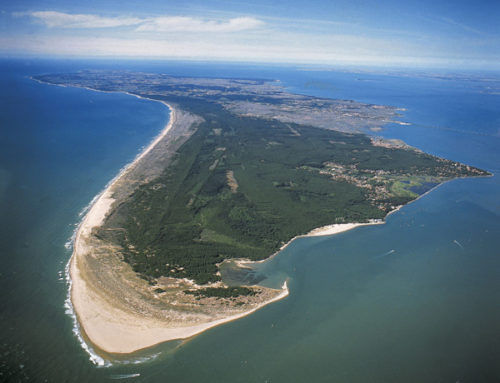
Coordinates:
<point>413,300</point>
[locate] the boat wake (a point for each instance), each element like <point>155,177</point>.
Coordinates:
<point>385,254</point>
<point>124,376</point>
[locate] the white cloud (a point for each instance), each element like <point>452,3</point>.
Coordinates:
<point>240,38</point>
<point>207,49</point>
<point>54,19</point>
<point>65,20</point>
<point>190,24</point>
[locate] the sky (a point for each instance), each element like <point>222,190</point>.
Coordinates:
<point>425,33</point>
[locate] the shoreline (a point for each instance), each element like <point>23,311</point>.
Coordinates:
<point>93,214</point>
<point>156,335</point>
<point>338,228</point>
<point>323,231</point>
<point>150,332</point>
<point>73,279</point>
<point>135,332</point>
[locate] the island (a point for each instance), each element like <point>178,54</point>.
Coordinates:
<point>242,168</point>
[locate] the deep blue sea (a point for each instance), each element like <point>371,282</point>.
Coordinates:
<point>414,300</point>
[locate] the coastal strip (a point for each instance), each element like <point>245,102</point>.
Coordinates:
<point>95,214</point>
<point>322,231</point>
<point>108,324</point>
<point>122,333</point>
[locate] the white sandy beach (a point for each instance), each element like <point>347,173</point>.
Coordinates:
<point>95,316</point>
<point>116,331</point>
<point>339,228</point>
<point>108,327</point>
<point>327,230</point>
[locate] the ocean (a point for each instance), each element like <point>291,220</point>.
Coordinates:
<point>413,300</point>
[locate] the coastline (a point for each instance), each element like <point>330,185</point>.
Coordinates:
<point>109,328</point>
<point>339,228</point>
<point>94,214</point>
<point>115,329</point>
<point>126,334</point>
<point>322,231</point>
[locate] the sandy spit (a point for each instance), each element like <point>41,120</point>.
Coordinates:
<point>108,327</point>
<point>97,318</point>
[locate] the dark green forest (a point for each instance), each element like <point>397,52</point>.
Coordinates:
<point>189,219</point>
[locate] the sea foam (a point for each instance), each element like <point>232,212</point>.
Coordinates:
<point>69,310</point>
<point>68,305</point>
